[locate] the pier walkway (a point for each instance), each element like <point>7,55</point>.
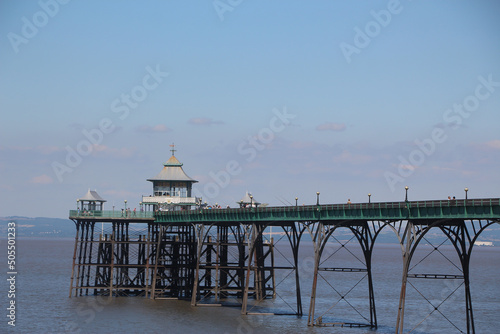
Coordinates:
<point>415,210</point>
<point>212,255</point>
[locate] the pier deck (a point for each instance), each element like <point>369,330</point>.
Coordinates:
<point>209,255</point>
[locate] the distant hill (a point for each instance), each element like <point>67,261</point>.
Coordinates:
<point>65,228</point>
<point>39,227</point>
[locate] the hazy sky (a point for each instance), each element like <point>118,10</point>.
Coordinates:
<point>280,98</point>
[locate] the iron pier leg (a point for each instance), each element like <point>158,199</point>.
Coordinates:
<point>317,235</point>
<point>199,232</point>
<point>222,259</point>
<point>251,250</point>
<point>366,241</point>
<point>461,238</point>
<point>409,232</point>
<point>148,256</point>
<point>159,235</point>
<point>112,264</point>
<point>240,229</point>
<point>77,224</point>
<point>465,257</point>
<point>83,258</point>
<point>90,258</point>
<point>294,239</point>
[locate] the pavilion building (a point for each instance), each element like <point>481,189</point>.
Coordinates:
<point>90,202</point>
<point>172,188</point>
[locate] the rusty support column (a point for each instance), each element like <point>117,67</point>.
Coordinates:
<point>200,235</point>
<point>148,256</point>
<point>317,236</point>
<point>159,235</point>
<point>294,239</point>
<point>111,264</point>
<point>251,250</point>
<point>90,257</point>
<point>77,225</point>
<point>408,240</point>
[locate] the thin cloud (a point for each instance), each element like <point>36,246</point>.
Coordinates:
<point>302,145</point>
<point>15,148</point>
<point>405,166</point>
<point>159,128</point>
<point>204,121</point>
<point>493,144</point>
<point>42,179</point>
<point>120,153</point>
<point>76,126</point>
<point>48,149</point>
<point>43,150</point>
<point>120,194</point>
<point>330,126</point>
<point>487,146</point>
<point>355,159</point>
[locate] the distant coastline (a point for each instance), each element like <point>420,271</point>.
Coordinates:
<point>45,227</point>
<point>39,227</point>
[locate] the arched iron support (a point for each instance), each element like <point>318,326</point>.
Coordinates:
<point>366,238</point>
<point>294,236</point>
<point>463,242</point>
<point>414,232</point>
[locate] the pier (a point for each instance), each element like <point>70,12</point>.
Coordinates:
<point>175,247</point>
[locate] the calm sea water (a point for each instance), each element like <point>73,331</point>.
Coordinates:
<point>43,306</point>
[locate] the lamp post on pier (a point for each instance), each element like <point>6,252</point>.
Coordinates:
<point>406,195</point>
<point>466,190</point>
<point>317,198</point>
<point>369,198</point>
<point>296,199</point>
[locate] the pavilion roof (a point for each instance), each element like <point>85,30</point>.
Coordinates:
<point>247,200</point>
<point>172,171</point>
<point>92,196</point>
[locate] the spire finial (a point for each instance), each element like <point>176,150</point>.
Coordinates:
<point>172,148</point>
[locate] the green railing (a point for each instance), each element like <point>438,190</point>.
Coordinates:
<point>453,209</point>
<point>418,210</point>
<point>111,214</point>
